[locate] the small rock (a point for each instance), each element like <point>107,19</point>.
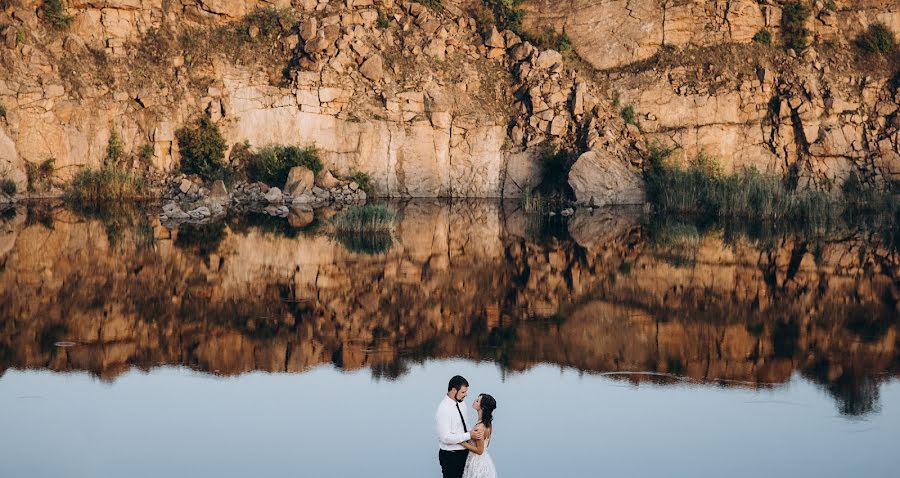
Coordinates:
<point>185,185</point>
<point>567,212</point>
<point>494,39</point>
<point>353,186</point>
<point>373,68</point>
<point>274,195</point>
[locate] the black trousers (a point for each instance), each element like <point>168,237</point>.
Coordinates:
<point>453,462</point>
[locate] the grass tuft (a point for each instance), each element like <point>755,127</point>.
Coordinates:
<point>105,185</point>
<point>8,187</point>
<point>39,174</point>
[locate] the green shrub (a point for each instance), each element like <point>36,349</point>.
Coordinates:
<point>793,25</point>
<point>55,14</point>
<point>550,39</point>
<point>629,115</point>
<point>830,5</point>
<point>432,4</point>
<point>383,20</point>
<point>763,37</point>
<point>508,14</point>
<point>145,154</point>
<point>8,187</point>
<point>272,164</point>
<point>39,174</point>
<point>878,39</point>
<point>202,149</point>
<point>271,22</point>
<point>104,185</point>
<point>114,150</point>
<point>369,218</point>
<point>363,180</point>
<point>2,112</point>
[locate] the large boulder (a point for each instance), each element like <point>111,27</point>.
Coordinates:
<point>373,68</point>
<point>598,179</point>
<point>218,192</point>
<point>325,180</point>
<point>299,181</point>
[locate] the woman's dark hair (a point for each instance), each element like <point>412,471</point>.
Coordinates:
<point>457,382</point>
<point>488,405</point>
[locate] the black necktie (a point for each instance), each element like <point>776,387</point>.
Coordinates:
<point>466,430</point>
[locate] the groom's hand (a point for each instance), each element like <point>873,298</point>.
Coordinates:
<point>477,434</point>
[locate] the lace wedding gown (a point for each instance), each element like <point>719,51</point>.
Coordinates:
<point>480,466</point>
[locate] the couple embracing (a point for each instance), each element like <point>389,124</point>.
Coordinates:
<point>463,447</point>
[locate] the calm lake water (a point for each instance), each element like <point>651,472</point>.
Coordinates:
<point>616,344</point>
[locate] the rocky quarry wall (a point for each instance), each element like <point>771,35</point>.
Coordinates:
<point>435,104</point>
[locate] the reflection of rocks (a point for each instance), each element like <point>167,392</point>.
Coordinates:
<point>591,228</point>
<point>459,279</point>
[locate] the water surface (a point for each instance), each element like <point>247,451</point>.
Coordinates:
<point>615,344</point>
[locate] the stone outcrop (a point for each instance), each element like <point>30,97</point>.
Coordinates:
<point>433,104</point>
<point>614,33</point>
<point>598,180</point>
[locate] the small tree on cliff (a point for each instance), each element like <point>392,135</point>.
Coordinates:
<point>202,149</point>
<point>793,25</point>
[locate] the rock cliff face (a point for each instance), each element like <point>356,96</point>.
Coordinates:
<point>463,280</point>
<point>435,104</point>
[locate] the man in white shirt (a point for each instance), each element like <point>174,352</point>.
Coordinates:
<point>452,429</point>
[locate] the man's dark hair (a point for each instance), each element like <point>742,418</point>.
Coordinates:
<point>457,382</point>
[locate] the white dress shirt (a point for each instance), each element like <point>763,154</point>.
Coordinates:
<point>450,426</point>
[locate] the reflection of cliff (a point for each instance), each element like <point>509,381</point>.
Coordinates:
<point>475,280</point>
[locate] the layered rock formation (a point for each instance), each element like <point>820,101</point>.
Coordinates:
<point>434,104</point>
<point>471,280</point>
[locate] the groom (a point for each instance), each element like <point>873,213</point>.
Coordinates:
<point>453,429</point>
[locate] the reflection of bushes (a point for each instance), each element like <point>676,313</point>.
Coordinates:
<point>201,239</point>
<point>371,244</point>
<point>855,391</point>
<point>365,219</point>
<point>119,220</point>
<point>279,226</point>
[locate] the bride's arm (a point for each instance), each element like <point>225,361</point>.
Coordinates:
<point>469,446</point>
<point>478,447</point>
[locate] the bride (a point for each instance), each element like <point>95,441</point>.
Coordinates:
<point>479,463</point>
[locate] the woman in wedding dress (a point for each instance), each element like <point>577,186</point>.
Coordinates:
<point>479,463</point>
